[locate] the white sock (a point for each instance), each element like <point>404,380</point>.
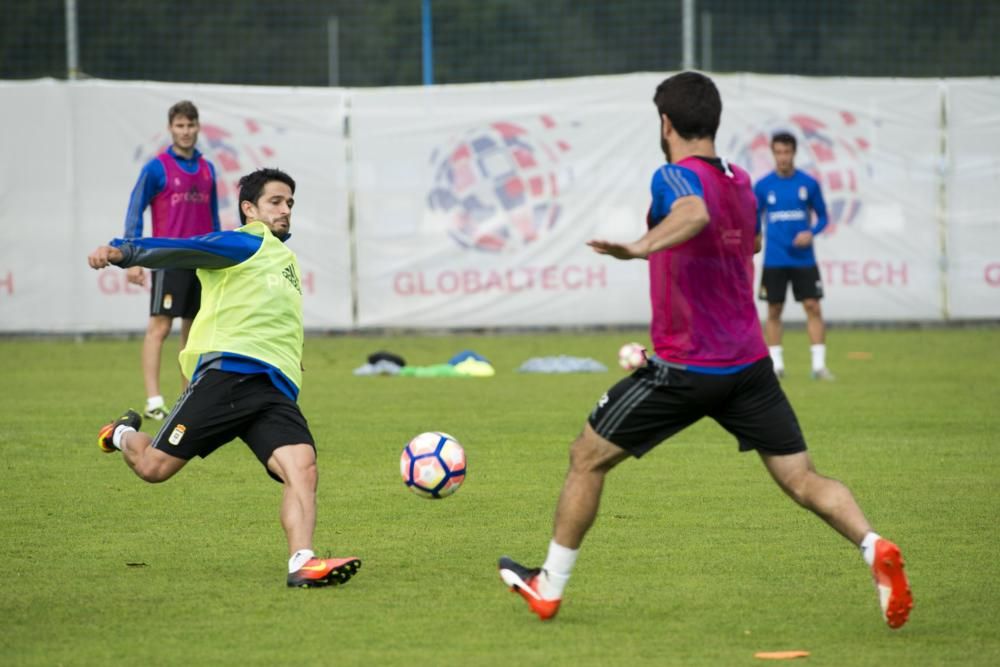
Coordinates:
<point>777,357</point>
<point>868,547</point>
<point>120,431</point>
<point>299,558</point>
<point>818,356</point>
<point>154,402</point>
<point>556,570</point>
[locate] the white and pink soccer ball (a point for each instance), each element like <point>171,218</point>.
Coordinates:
<point>433,465</point>
<point>632,356</point>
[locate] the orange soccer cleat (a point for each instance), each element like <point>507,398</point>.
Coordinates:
<point>524,581</point>
<point>894,593</point>
<point>318,572</point>
<point>106,434</point>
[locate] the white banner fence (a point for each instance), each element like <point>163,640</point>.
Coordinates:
<point>469,205</point>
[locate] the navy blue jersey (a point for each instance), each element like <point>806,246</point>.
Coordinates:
<point>785,206</point>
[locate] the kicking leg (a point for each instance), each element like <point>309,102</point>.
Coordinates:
<point>295,465</point>
<point>825,497</point>
<point>834,503</point>
<point>148,463</point>
<point>591,457</point>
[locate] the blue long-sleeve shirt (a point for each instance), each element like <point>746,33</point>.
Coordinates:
<point>152,180</point>
<point>218,250</point>
<point>786,205</point>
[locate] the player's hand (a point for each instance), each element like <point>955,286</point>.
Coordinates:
<point>618,250</point>
<point>803,239</point>
<point>103,256</point>
<point>136,275</point>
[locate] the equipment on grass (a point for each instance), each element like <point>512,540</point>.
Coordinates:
<point>632,356</point>
<point>433,465</point>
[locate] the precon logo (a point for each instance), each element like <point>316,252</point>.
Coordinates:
<point>497,188</point>
<point>833,150</point>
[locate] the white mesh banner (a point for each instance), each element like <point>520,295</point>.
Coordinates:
<point>72,153</point>
<point>470,206</point>
<point>973,205</point>
<point>874,147</point>
<point>474,203</point>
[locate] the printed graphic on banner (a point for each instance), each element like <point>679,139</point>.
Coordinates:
<point>834,152</point>
<point>234,149</point>
<point>497,188</point>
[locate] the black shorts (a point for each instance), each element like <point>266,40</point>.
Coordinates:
<point>806,283</point>
<point>220,406</point>
<point>175,293</point>
<point>661,399</point>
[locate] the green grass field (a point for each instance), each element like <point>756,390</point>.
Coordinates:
<point>696,559</point>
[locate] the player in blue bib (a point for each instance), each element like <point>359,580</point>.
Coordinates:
<point>788,201</point>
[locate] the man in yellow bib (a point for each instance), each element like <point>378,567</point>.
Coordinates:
<point>244,362</point>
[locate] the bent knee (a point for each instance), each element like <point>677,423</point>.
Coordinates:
<point>154,474</point>
<point>591,453</point>
<point>295,465</point>
<point>799,487</point>
<point>156,467</point>
<point>307,474</point>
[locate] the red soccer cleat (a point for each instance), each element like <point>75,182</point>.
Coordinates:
<point>894,593</point>
<point>525,582</point>
<point>318,572</point>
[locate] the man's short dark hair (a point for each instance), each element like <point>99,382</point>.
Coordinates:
<point>784,138</point>
<point>252,186</point>
<point>184,108</point>
<point>692,103</point>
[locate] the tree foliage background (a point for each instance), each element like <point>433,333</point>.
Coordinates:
<point>277,42</point>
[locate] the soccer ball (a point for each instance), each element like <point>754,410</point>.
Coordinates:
<point>632,356</point>
<point>433,465</point>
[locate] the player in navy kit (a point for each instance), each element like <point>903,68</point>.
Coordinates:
<point>787,202</point>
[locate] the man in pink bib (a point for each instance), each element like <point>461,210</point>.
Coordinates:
<point>178,186</point>
<point>710,361</point>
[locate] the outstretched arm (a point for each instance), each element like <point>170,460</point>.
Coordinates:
<point>688,216</point>
<point>103,256</point>
<point>217,250</point>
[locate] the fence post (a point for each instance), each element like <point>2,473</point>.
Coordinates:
<point>428,43</point>
<point>943,170</point>
<point>333,51</point>
<point>72,43</point>
<point>687,21</point>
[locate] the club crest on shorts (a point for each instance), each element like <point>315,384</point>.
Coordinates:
<point>168,301</point>
<point>177,434</point>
